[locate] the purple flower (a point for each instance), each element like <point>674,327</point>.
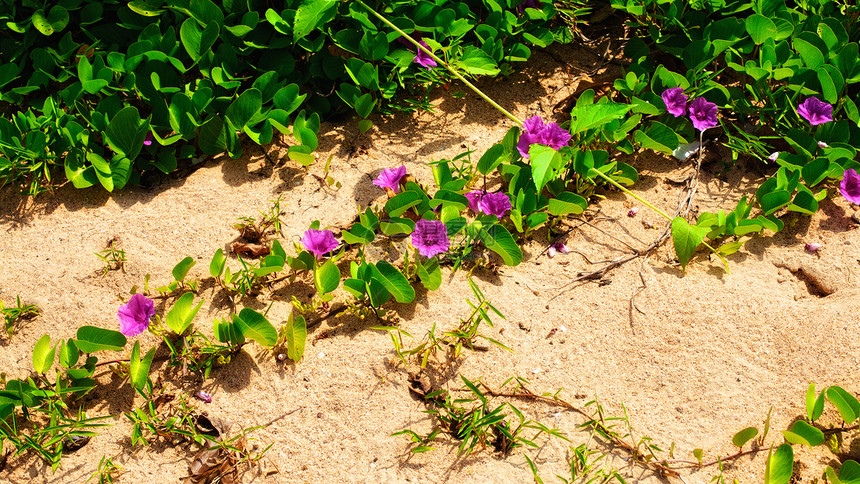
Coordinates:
<point>535,131</point>
<point>134,316</point>
<point>474,198</point>
<point>529,4</point>
<point>557,247</point>
<point>494,204</point>
<point>703,114</point>
<point>815,111</point>
<point>632,212</point>
<point>430,237</point>
<point>207,398</point>
<point>813,247</point>
<point>850,186</point>
<point>390,178</point>
<point>319,242</point>
<point>423,58</point>
<point>675,100</point>
<point>822,145</point>
<point>147,141</point>
<point>773,156</point>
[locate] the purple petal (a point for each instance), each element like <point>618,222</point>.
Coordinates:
<point>815,111</point>
<point>813,247</point>
<point>423,58</point>
<point>390,178</point>
<point>494,204</point>
<point>134,316</point>
<point>675,100</point>
<point>850,186</point>
<point>204,396</point>
<point>319,242</point>
<point>430,237</point>
<point>474,197</point>
<point>703,114</point>
<point>535,131</point>
<point>536,4</point>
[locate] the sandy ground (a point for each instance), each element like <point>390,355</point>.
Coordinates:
<point>709,354</point>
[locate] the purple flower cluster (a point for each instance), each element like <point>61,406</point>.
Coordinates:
<point>489,203</point>
<point>535,131</point>
<point>703,114</point>
<point>390,178</point>
<point>134,316</point>
<point>421,58</point>
<point>430,237</point>
<point>319,242</point>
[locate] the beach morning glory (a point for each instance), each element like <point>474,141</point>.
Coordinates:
<point>850,186</point>
<point>134,316</point>
<point>815,111</point>
<point>423,58</point>
<point>703,114</point>
<point>390,178</point>
<point>494,204</point>
<point>676,101</point>
<point>430,237</point>
<point>319,242</point>
<point>535,131</point>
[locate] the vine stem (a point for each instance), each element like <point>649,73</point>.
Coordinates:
<point>443,63</point>
<point>628,192</point>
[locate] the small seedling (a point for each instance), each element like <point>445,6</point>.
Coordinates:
<point>113,258</point>
<point>16,315</point>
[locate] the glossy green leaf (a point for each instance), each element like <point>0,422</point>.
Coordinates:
<point>430,273</point>
<point>780,465</point>
<point>397,226</point>
<point>760,28</point>
<point>43,354</point>
<point>741,438</point>
<point>687,239</point>
<point>181,269</point>
<point>394,281</point>
<point>808,435</point>
<point>90,339</point>
<point>69,353</point>
<point>845,403</point>
<point>245,107</point>
<point>296,332</point>
<point>138,368</point>
<point>126,132</point>
<point>499,240</point>
<point>400,203</point>
<point>255,326</point>
<point>312,14</point>
<point>814,406</point>
<point>545,163</point>
<point>216,267</point>
<point>326,277</point>
<point>182,313</point>
<point>567,203</point>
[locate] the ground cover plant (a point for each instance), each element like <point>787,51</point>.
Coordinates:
<point>474,216</point>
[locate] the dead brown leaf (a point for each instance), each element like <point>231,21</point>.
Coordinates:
<point>256,250</point>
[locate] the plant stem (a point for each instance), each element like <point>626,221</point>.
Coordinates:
<point>443,63</point>
<point>620,187</point>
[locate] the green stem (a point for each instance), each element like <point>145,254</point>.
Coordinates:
<point>637,197</point>
<point>443,63</point>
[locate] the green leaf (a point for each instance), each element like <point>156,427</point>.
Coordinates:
<point>814,406</point>
<point>686,238</point>
<point>296,332</point>
<point>402,202</point>
<point>845,403</point>
<point>181,269</point>
<point>545,162</point>
<point>179,317</point>
<point>741,438</point>
<point>126,132</point>
<point>198,42</point>
<point>587,116</point>
<point>43,354</point>
<point>211,136</point>
<point>394,281</point>
<point>849,473</point>
<point>491,159</point>
<point>377,293</point>
<point>397,226</point>
<point>326,277</point>
<point>780,465</point>
<point>760,28</point>
<point>430,273</point>
<point>216,267</point>
<point>476,62</point>
<point>364,105</point>
<point>499,240</point>
<point>69,353</point>
<point>245,107</point>
<point>658,137</point>
<point>310,15</point>
<point>567,203</point>
<point>81,176</point>
<point>255,326</point>
<point>143,8</point>
<point>138,369</point>
<point>90,339</point>
<point>810,435</point>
